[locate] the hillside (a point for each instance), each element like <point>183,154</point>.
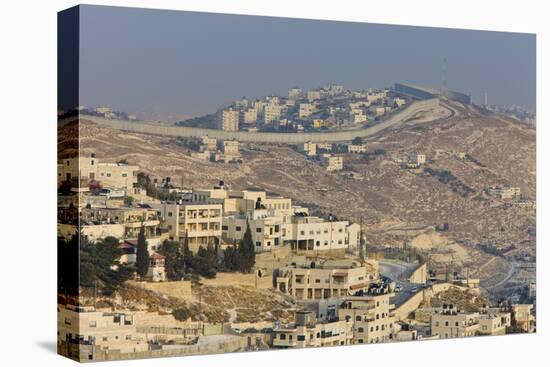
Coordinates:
<point>396,204</point>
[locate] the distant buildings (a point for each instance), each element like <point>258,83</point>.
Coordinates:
<point>305,110</point>
<point>272,113</point>
<point>295,94</point>
<point>313,95</point>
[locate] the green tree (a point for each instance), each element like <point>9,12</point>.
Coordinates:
<point>231,258</point>
<point>187,254</point>
<point>173,263</point>
<point>247,253</point>
<point>99,265</point>
<point>357,140</point>
<point>142,255</point>
<point>203,264</point>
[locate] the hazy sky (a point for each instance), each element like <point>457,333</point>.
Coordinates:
<point>173,64</point>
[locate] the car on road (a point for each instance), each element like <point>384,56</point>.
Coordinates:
<point>414,289</point>
<point>398,289</point>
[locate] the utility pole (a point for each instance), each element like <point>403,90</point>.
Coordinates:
<point>361,249</point>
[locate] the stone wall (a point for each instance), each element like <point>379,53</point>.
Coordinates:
<point>180,289</point>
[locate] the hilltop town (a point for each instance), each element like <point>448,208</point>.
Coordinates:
<point>200,241</point>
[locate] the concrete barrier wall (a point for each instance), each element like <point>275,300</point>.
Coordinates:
<point>266,137</point>
<point>420,274</point>
<point>414,302</point>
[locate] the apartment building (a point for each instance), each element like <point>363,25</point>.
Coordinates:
<point>453,323</point>
<point>200,223</point>
<point>523,317</point>
<point>324,280</point>
<point>371,317</point>
<point>494,323</point>
<point>248,116</point>
<point>131,218</point>
<point>228,119</point>
<point>309,148</point>
<point>84,331</point>
<point>305,110</point>
<point>208,144</point>
<point>266,229</point>
<point>307,332</point>
<point>272,113</point>
<point>313,95</point>
<point>294,94</point>
<point>112,175</point>
<point>357,116</point>
<point>230,150</point>
<point>332,163</point>
<point>310,233</point>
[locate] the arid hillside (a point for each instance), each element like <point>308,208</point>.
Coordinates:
<point>396,204</point>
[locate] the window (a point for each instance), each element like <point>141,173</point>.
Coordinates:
<point>360,329</point>
<point>357,318</point>
<point>437,323</point>
<point>360,341</point>
<point>290,337</point>
<point>277,228</point>
<point>124,175</point>
<point>317,280</point>
<point>238,228</point>
<point>93,323</point>
<point>446,323</point>
<point>67,321</point>
<point>259,230</point>
<point>302,233</point>
<point>169,214</point>
<point>105,338</point>
<point>318,243</point>
<point>301,338</point>
<point>258,244</point>
<point>128,337</point>
<point>456,323</point>
<point>282,337</point>
<point>225,228</point>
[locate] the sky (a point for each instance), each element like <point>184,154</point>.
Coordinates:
<point>171,65</point>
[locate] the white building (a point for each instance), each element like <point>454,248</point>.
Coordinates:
<point>305,110</point>
<point>228,119</point>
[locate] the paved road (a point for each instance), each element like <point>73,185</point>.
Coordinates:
<point>395,270</point>
<point>266,137</point>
